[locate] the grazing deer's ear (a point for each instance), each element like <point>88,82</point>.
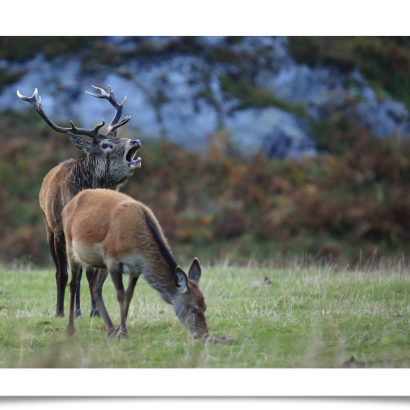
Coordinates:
<point>181,280</point>
<point>80,143</point>
<point>195,271</point>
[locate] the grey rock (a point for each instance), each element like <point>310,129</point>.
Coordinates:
<point>180,97</point>
<point>271,130</point>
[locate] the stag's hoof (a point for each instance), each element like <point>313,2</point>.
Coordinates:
<point>60,314</point>
<point>95,313</point>
<point>77,313</point>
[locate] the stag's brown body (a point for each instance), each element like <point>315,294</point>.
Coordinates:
<point>107,162</point>
<point>113,232</point>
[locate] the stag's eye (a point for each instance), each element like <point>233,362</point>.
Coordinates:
<point>194,311</point>
<point>104,146</point>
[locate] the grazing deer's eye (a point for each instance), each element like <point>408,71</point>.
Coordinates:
<point>194,310</point>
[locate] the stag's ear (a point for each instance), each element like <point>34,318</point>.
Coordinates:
<point>80,143</point>
<point>181,280</point>
<point>195,271</point>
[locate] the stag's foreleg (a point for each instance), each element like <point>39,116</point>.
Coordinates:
<point>91,273</point>
<point>61,273</point>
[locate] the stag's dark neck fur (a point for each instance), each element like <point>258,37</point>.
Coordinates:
<point>89,172</point>
<point>162,277</point>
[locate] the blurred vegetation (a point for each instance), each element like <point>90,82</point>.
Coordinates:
<point>23,48</point>
<point>348,204</point>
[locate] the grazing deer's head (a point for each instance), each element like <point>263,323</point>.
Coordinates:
<point>189,303</point>
<point>112,158</point>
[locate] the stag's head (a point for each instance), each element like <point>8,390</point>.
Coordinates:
<point>114,156</point>
<point>189,302</point>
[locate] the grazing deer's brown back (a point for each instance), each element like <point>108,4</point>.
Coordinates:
<point>109,218</point>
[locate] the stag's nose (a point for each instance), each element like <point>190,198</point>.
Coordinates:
<point>136,142</point>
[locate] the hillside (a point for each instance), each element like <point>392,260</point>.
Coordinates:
<point>252,147</point>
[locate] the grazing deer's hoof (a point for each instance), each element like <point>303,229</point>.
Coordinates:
<point>77,313</point>
<point>118,333</point>
<point>60,314</point>
<point>95,313</point>
<point>122,335</point>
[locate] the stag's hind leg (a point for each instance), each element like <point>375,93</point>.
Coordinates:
<point>52,246</point>
<point>61,274</point>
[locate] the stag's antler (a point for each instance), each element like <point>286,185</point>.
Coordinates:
<point>35,101</point>
<point>112,128</point>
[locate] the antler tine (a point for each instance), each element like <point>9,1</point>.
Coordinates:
<point>118,125</point>
<point>98,126</point>
<point>103,93</point>
<point>114,124</point>
<point>35,101</point>
<point>76,130</point>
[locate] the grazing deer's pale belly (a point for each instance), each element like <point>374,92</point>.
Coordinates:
<point>90,254</point>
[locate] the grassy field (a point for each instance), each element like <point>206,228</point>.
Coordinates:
<point>303,318</point>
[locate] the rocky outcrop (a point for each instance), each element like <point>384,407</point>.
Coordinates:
<point>186,93</point>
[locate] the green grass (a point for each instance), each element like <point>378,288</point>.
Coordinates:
<point>304,318</point>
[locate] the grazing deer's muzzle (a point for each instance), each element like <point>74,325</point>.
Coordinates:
<point>133,163</point>
<point>192,320</point>
<point>200,333</point>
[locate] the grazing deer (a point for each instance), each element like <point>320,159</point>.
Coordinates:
<point>116,234</point>
<point>107,162</point>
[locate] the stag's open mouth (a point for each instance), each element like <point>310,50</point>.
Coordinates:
<point>132,162</point>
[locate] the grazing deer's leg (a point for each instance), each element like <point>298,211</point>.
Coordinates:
<point>61,276</point>
<point>98,281</point>
<point>129,293</point>
<point>77,294</point>
<point>75,270</point>
<point>90,273</point>
<point>116,276</point>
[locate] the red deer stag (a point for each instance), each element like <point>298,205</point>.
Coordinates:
<point>116,234</point>
<point>107,162</point>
